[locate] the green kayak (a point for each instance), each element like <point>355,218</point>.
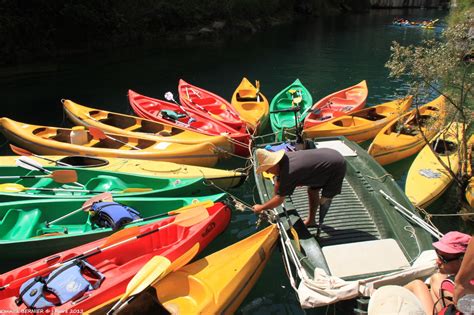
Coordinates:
<point>95,182</point>
<point>293,95</point>
<point>26,236</point>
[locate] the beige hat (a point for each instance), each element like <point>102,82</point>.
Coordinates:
<point>267,159</point>
<point>394,300</point>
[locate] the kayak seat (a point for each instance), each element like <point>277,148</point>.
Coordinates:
<point>18,224</point>
<point>246,95</point>
<point>342,101</point>
<point>203,101</point>
<point>106,183</point>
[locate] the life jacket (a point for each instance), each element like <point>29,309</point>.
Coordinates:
<point>283,146</point>
<point>66,283</point>
<point>171,114</point>
<point>112,214</point>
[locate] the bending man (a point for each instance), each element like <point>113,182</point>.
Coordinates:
<point>316,168</point>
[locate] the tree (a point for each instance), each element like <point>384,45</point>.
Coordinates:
<point>444,66</point>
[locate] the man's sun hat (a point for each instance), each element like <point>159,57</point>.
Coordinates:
<point>453,243</point>
<point>394,300</point>
<point>267,159</point>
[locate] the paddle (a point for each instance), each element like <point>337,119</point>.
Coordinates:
<point>59,176</point>
<point>185,219</point>
<point>257,85</point>
<point>106,196</point>
<point>98,134</point>
<point>170,97</point>
<point>21,151</point>
<point>13,188</point>
<point>205,204</point>
<point>292,229</point>
<point>32,165</point>
<point>153,271</point>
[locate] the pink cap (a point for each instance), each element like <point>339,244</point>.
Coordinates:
<point>453,243</point>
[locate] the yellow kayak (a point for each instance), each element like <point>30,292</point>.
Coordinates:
<point>216,284</point>
<point>363,124</point>
<point>427,179</point>
<point>132,126</point>
<point>401,138</point>
<point>252,105</point>
<point>223,178</point>
<point>64,141</point>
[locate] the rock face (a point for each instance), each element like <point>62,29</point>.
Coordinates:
<point>409,3</point>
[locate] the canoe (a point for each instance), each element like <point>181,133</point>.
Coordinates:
<point>190,119</point>
<point>210,104</point>
<point>251,104</point>
<point>284,100</point>
<point>25,236</point>
<point>58,141</point>
<point>362,223</point>
<point>222,178</point>
<point>119,263</point>
<point>337,104</point>
<point>133,126</point>
<point>361,125</point>
<point>427,179</point>
<point>401,138</point>
<point>216,284</point>
<point>119,184</point>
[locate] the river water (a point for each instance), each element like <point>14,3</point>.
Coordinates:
<point>327,54</point>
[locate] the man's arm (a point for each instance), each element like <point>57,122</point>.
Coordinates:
<point>465,274</point>
<point>270,204</point>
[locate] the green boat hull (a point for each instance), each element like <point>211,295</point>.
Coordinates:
<point>99,181</point>
<point>285,121</point>
<point>24,236</point>
<point>359,214</point>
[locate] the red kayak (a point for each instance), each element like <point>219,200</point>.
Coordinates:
<point>337,104</point>
<point>91,274</point>
<point>211,104</point>
<point>189,119</point>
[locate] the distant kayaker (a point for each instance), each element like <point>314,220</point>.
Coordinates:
<point>319,169</point>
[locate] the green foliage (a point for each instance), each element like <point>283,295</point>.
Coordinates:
<point>445,66</point>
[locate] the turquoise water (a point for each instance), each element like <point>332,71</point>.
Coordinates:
<point>326,55</point>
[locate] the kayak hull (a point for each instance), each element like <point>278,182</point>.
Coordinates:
<point>57,141</point>
<point>401,138</point>
<point>252,105</point>
<point>216,284</point>
<point>361,125</point>
<point>120,263</point>
<point>221,178</point>
<point>33,240</point>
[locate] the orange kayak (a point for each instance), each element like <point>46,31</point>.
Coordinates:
<point>337,104</point>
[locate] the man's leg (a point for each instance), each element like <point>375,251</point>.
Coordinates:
<point>324,205</point>
<point>313,201</point>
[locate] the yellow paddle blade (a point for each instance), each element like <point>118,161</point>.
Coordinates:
<point>136,189</point>
<point>11,188</point>
<point>291,91</point>
<point>149,273</point>
<point>205,204</point>
<point>267,175</point>
<point>180,262</point>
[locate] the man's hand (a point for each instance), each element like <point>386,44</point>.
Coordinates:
<point>258,208</point>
